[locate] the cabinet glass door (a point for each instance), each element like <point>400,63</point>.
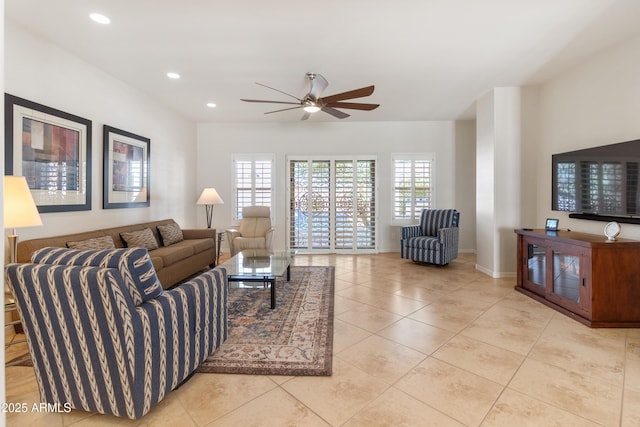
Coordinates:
<point>536,268</point>
<point>566,276</point>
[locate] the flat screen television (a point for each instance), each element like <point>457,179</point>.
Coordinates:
<point>599,181</point>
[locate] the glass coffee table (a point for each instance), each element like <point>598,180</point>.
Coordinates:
<point>259,265</point>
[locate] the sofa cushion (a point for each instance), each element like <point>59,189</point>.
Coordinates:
<point>134,265</point>
<point>425,242</point>
<point>172,254</point>
<point>170,234</point>
<point>140,239</point>
<point>198,245</point>
<point>242,243</point>
<point>104,242</point>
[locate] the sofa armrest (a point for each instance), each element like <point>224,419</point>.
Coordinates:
<point>203,233</point>
<point>409,231</point>
<point>448,236</point>
<point>88,307</point>
<point>268,238</point>
<point>199,233</point>
<point>180,328</point>
<point>232,233</point>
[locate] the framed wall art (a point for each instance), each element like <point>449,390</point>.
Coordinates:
<point>126,169</point>
<point>52,150</point>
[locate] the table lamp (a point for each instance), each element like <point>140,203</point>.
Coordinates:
<point>19,210</point>
<point>209,197</point>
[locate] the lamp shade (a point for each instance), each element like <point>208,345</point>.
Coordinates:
<point>19,208</point>
<point>210,196</point>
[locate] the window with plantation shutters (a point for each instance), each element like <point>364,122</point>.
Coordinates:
<point>413,190</point>
<point>332,204</point>
<point>253,183</point>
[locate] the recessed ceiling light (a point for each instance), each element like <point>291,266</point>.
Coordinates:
<point>100,18</point>
<point>211,105</point>
<point>173,75</point>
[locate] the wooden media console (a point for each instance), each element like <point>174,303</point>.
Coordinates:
<point>585,276</point>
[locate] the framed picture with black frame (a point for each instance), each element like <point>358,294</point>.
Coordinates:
<point>126,169</point>
<point>52,150</point>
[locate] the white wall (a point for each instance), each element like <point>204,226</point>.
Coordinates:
<point>42,72</point>
<point>597,103</point>
<point>465,177</point>
<point>530,134</point>
<point>218,142</point>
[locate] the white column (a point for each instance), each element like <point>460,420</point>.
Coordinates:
<point>498,189</point>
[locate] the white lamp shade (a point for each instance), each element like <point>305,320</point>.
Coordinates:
<point>19,208</point>
<point>210,196</point>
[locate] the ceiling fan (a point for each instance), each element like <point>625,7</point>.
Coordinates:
<point>313,102</point>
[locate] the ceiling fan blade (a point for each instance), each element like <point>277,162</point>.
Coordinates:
<point>353,105</point>
<point>305,116</point>
<point>335,113</point>
<point>269,102</point>
<point>284,109</point>
<point>278,90</point>
<point>356,93</point>
<point>318,85</point>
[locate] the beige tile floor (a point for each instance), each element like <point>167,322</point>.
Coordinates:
<point>414,346</point>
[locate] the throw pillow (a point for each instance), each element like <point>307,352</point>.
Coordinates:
<point>170,234</point>
<point>140,239</point>
<point>104,242</point>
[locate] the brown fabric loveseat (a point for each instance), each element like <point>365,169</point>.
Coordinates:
<point>173,262</point>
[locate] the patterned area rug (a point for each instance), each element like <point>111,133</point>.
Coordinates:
<point>295,338</point>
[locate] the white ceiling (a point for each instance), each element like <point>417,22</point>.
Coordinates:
<point>429,59</point>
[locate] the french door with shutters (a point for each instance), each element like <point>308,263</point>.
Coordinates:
<point>332,204</point>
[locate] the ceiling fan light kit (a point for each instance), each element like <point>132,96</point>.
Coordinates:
<point>312,102</point>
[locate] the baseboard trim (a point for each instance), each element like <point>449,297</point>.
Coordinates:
<point>496,275</point>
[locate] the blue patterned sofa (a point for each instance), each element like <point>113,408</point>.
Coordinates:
<point>434,240</point>
<point>102,333</point>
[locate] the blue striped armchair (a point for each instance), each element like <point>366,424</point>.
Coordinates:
<point>434,240</point>
<point>102,333</point>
